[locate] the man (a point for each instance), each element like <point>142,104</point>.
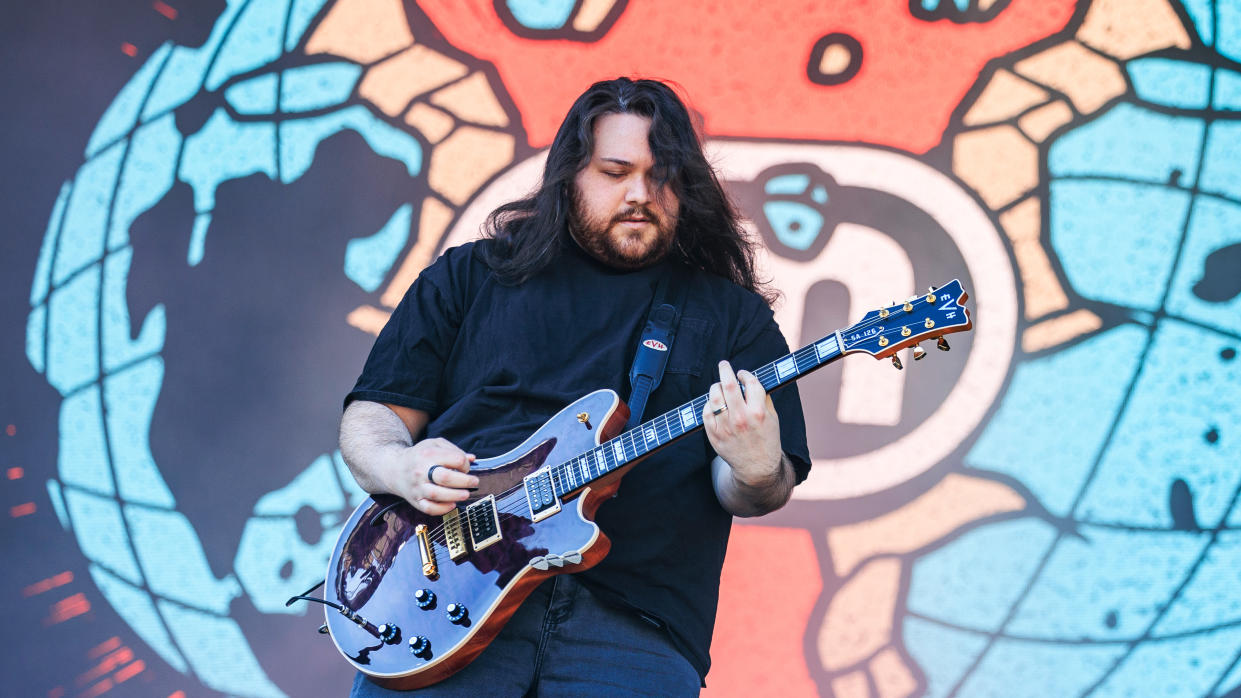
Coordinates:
<point>497,336</point>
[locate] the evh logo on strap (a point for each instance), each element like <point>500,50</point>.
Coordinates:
<point>655,344</point>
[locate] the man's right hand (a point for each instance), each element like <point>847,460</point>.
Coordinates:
<point>435,490</point>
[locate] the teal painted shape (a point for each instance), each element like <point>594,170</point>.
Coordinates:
<point>73,333</point>
<point>942,653</point>
<point>1117,241</point>
<point>183,76</point>
<point>1049,430</point>
<point>1129,573</point>
<point>135,607</point>
<point>82,235</point>
<point>101,533</point>
<point>268,544</point>
<point>1171,82</point>
<point>254,96</point>
<point>300,17</point>
<point>122,113</point>
<point>1214,225</point>
<point>57,497</point>
<point>795,224</point>
<point>368,259</point>
<point>974,580</point>
<point>1231,681</point>
<point>36,330</point>
<point>1018,669</point>
<point>1221,169</point>
<point>299,138</point>
<point>82,459</point>
<point>1180,395</point>
<point>130,397</point>
<point>43,268</point>
<point>314,487</point>
<point>1227,90</point>
<point>224,150</point>
<point>791,184</point>
<point>1210,596</point>
<point>1200,15</point>
<point>1131,143</point>
<point>819,194</point>
<point>318,86</point>
<point>541,14</point>
<point>174,562</point>
<point>222,658</point>
<point>254,41</point>
<point>355,493</point>
<point>1186,666</point>
<point>118,348</point>
<point>198,239</point>
<point>148,175</point>
<point>1228,41</point>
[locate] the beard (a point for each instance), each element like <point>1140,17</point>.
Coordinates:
<point>618,245</point>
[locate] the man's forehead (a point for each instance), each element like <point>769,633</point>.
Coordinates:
<point>622,139</point>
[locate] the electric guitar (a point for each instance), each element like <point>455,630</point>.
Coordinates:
<point>411,598</point>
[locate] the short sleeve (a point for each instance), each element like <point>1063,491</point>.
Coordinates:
<point>407,362</point>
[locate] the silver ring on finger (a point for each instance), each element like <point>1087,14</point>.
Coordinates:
<point>431,474</point>
<point>719,411</point>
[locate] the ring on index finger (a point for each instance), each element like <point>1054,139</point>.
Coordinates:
<point>719,411</point>
<point>431,474</point>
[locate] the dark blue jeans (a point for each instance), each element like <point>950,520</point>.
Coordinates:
<point>564,642</point>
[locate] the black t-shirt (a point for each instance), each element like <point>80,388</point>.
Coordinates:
<point>490,363</point>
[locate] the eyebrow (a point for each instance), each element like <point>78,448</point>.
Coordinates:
<point>618,161</point>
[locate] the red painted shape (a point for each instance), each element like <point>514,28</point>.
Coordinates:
<point>22,510</point>
<point>57,580</point>
<point>128,672</point>
<point>11,430</point>
<point>68,608</point>
<point>15,473</point>
<point>770,584</point>
<point>177,694</point>
<point>744,64</point>
<point>129,49</point>
<point>165,9</point>
<point>99,688</point>
<point>56,692</point>
<point>104,647</point>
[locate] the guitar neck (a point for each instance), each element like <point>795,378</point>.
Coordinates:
<point>668,427</point>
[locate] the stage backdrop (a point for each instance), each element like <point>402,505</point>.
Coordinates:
<point>211,208</point>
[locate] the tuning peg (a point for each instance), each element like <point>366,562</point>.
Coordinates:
<point>919,352</point>
<point>896,361</point>
<point>942,344</point>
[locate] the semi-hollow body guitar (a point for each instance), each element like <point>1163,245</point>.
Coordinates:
<point>412,598</point>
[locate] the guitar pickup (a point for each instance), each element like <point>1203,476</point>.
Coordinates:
<point>483,521</point>
<point>454,536</point>
<point>540,495</point>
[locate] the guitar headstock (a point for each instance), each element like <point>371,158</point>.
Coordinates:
<point>883,332</point>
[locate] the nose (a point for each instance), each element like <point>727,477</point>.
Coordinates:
<point>639,191</point>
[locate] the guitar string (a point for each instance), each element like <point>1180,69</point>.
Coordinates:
<point>506,503</point>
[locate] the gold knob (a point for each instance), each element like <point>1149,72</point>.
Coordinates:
<point>905,332</point>
<point>896,361</point>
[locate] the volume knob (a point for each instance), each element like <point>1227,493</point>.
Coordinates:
<point>457,613</point>
<point>420,646</point>
<point>425,598</point>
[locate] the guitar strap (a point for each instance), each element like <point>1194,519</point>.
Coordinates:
<point>655,344</point>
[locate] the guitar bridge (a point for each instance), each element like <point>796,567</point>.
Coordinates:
<point>483,521</point>
<point>541,496</point>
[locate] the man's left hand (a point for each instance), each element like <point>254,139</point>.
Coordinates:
<point>744,429</point>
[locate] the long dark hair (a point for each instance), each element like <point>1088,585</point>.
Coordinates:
<point>527,233</point>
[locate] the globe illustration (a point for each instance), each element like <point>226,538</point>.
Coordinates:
<point>1120,576</point>
<point>192,161</point>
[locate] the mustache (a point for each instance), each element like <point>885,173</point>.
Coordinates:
<point>634,213</point>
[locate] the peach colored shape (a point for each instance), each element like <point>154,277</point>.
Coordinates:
<point>1004,97</point>
<point>859,616</point>
<point>1039,123</point>
<point>430,122</point>
<point>472,99</point>
<point>1057,331</point>
<point>1088,79</point>
<point>851,685</point>
<point>362,30</point>
<point>1043,292</point>
<point>467,159</point>
<point>591,14</point>
<point>432,222</point>
<point>954,501</point>
<point>997,162</point>
<point>892,678</point>
<point>393,84</point>
<point>1128,28</point>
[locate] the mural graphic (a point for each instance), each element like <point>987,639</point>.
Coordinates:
<point>1050,508</point>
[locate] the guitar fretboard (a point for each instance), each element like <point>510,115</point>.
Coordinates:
<point>660,431</point>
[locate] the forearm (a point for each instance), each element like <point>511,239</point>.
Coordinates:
<point>372,438</point>
<point>753,496</point>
